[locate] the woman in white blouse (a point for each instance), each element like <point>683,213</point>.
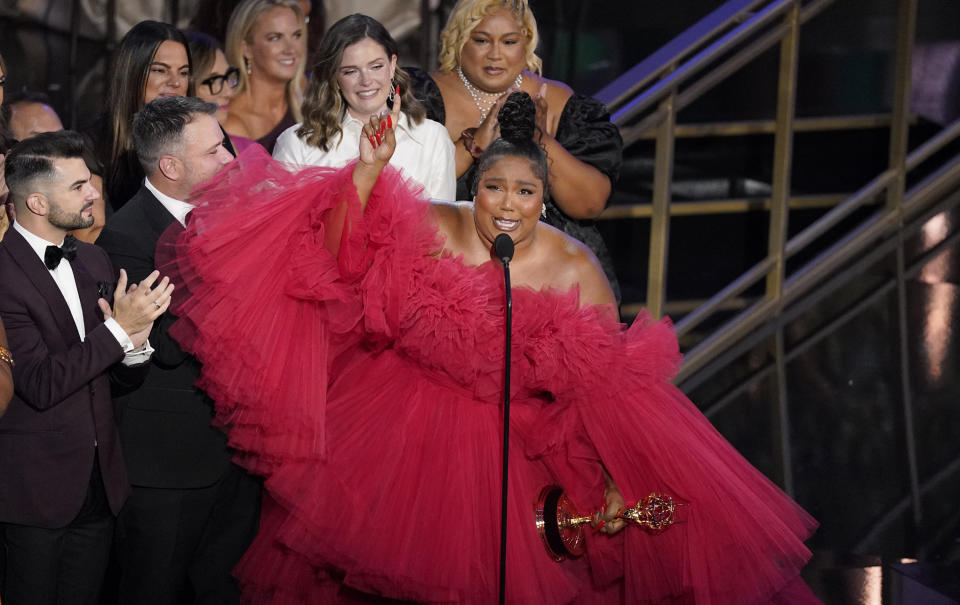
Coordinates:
<point>356,76</point>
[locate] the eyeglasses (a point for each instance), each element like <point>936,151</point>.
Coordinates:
<point>215,82</point>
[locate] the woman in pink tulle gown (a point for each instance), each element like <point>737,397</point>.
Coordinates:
<point>352,337</point>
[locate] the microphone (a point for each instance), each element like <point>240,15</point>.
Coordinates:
<point>503,248</point>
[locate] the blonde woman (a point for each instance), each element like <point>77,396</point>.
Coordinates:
<point>487,50</point>
<point>267,40</point>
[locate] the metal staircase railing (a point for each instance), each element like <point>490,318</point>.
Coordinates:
<point>913,188</point>
<point>644,102</point>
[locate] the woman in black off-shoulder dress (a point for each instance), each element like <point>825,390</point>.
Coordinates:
<point>487,50</point>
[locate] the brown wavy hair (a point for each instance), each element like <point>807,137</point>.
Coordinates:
<point>323,105</point>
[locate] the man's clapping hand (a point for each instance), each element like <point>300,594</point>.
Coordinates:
<point>135,308</point>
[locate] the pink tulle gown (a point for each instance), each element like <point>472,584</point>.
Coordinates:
<point>365,385</point>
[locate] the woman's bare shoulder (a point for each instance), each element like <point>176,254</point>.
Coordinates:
<point>577,266</point>
<point>451,219</point>
<point>557,92</point>
<point>450,216</point>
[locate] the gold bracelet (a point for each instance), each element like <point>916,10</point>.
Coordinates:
<point>6,356</point>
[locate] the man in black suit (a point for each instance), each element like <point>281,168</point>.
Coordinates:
<point>192,512</point>
<point>62,475</point>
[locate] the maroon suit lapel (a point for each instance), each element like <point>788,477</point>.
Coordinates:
<point>87,288</point>
<point>36,272</point>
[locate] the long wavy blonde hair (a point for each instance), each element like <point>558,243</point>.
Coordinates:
<point>467,14</point>
<point>240,30</point>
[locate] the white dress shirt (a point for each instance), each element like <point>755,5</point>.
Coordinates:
<point>178,209</point>
<point>424,153</point>
<point>67,283</point>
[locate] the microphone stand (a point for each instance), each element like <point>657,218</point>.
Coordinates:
<point>503,246</point>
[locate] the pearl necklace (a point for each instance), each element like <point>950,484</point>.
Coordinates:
<point>488,98</point>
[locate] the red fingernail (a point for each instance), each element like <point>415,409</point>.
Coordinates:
<point>373,141</point>
<point>398,89</point>
<point>378,139</point>
<point>389,121</point>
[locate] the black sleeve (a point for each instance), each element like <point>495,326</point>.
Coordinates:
<point>125,253</point>
<point>585,130</point>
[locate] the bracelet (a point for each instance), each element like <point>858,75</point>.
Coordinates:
<point>5,355</point>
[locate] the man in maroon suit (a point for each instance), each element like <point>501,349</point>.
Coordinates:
<point>62,474</point>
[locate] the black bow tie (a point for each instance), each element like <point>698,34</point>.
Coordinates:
<point>53,254</point>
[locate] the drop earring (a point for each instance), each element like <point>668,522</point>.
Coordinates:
<point>543,210</point>
<point>246,63</point>
<point>393,91</point>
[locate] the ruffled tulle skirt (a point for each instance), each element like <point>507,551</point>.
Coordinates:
<point>360,375</point>
<point>407,501</point>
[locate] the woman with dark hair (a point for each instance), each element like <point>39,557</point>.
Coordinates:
<point>151,61</point>
<point>487,49</point>
<point>215,81</point>
<point>267,40</point>
<point>360,369</point>
<point>356,76</point>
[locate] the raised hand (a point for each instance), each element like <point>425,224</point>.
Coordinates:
<point>489,130</point>
<point>377,144</point>
<point>378,140</point>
